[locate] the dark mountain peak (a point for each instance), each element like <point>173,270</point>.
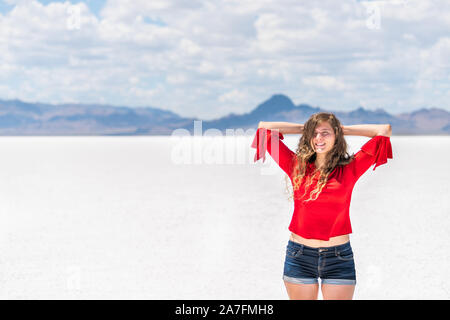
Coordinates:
<point>275,104</point>
<point>280,98</point>
<point>358,112</point>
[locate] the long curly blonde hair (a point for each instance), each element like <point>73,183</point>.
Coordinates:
<point>305,155</point>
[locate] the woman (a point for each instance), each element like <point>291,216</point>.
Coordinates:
<point>323,175</point>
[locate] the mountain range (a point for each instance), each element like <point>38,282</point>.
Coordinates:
<point>21,118</point>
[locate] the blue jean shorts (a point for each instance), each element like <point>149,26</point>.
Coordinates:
<point>334,265</point>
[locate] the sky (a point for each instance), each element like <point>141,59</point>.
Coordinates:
<point>208,59</point>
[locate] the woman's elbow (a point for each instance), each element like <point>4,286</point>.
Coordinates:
<point>387,131</point>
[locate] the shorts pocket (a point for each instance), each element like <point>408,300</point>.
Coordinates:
<point>346,255</point>
<point>292,252</point>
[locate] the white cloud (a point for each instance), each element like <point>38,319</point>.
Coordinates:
<point>234,96</point>
<point>325,82</point>
<point>176,78</point>
<point>210,58</point>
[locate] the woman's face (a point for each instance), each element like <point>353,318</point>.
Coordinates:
<point>324,137</point>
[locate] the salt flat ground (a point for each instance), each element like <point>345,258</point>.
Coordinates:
<point>167,218</point>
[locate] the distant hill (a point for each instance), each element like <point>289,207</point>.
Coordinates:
<point>21,118</point>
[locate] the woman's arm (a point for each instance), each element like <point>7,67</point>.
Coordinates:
<point>368,130</point>
<point>283,127</point>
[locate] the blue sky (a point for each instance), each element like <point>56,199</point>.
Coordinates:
<point>210,58</point>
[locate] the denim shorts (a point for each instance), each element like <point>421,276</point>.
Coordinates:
<point>334,265</point>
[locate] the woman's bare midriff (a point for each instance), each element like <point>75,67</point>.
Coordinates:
<point>315,243</point>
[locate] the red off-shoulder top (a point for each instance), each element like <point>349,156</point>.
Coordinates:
<point>327,216</point>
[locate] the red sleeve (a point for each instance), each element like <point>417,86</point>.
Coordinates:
<point>375,151</point>
<point>270,140</point>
